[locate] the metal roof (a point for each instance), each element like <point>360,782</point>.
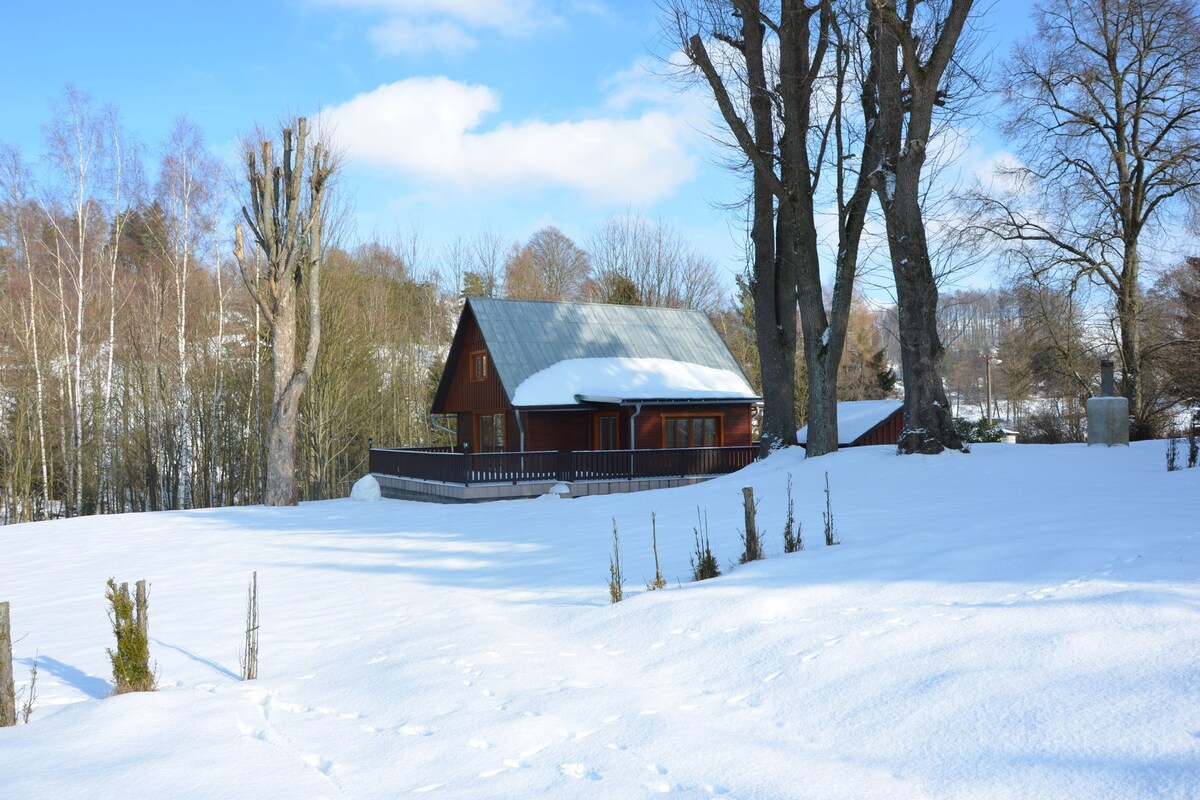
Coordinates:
<point>526,336</point>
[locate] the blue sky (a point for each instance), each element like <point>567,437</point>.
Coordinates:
<point>457,115</point>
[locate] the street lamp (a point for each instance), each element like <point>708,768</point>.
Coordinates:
<point>989,358</point>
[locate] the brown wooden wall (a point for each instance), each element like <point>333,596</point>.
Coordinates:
<point>464,394</point>
<point>886,432</point>
<point>567,430</point>
<point>735,427</point>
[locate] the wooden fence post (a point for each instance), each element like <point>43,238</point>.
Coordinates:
<point>140,603</point>
<point>8,697</point>
<point>753,545</point>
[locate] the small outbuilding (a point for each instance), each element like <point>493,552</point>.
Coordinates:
<point>863,422</point>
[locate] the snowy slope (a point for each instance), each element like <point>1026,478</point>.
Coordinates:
<point>1031,632</point>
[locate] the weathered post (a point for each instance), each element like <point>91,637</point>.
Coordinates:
<point>753,545</point>
<point>1108,416</point>
<point>142,619</point>
<point>8,696</point>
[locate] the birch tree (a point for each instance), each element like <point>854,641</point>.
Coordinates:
<point>286,219</point>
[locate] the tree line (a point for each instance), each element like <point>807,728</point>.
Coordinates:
<point>136,368</point>
<point>837,110</point>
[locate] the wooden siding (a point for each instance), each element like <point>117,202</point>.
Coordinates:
<point>886,432</point>
<point>478,397</point>
<point>558,430</point>
<point>735,423</point>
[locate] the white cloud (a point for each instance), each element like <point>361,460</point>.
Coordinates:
<point>412,27</point>
<point>430,129</point>
<point>399,36</point>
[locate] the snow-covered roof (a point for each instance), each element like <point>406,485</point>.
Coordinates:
<point>856,417</point>
<point>628,379</point>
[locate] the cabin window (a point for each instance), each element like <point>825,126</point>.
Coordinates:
<point>491,433</point>
<point>606,432</point>
<point>691,431</point>
<point>479,365</point>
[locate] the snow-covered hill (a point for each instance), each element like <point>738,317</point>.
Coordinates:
<point>1020,622</point>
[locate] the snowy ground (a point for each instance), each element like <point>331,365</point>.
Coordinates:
<point>1032,631</point>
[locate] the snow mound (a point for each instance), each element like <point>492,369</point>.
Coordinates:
<point>618,379</point>
<point>366,489</point>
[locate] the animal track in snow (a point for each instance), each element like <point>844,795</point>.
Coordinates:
<point>579,771</point>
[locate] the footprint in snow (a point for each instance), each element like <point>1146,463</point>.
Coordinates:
<point>321,765</point>
<point>579,771</point>
<point>416,730</point>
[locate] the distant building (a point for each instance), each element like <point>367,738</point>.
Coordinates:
<point>862,422</point>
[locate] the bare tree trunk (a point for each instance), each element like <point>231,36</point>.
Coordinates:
<point>8,699</point>
<point>908,90</point>
<point>288,226</point>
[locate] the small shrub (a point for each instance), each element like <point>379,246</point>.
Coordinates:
<point>659,581</point>
<point>793,533</point>
<point>29,694</point>
<point>827,516</point>
<point>704,563</point>
<point>248,659</point>
<point>131,659</point>
<point>616,581</point>
<point>977,431</point>
<point>1172,453</point>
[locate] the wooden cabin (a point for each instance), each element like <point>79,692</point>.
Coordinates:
<point>534,376</point>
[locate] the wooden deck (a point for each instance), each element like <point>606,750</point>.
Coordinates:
<point>449,476</point>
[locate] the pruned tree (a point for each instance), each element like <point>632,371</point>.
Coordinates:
<point>783,78</point>
<point>286,218</point>
<point>913,48</point>
<point>1105,109</point>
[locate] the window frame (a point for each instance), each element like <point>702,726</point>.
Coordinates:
<point>478,357</point>
<point>597,420</point>
<point>718,434</point>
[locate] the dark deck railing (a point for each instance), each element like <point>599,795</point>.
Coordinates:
<point>449,466</point>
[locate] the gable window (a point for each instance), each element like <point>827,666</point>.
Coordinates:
<point>491,433</point>
<point>681,430</point>
<point>479,365</point>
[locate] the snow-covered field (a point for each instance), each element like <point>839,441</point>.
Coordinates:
<point>1030,629</point>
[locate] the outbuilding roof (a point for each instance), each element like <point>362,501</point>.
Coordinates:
<point>525,337</point>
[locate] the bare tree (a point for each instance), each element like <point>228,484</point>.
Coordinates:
<point>549,267</point>
<point>186,193</point>
<point>913,46</point>
<point>641,262</point>
<point>286,218</point>
<point>1105,108</point>
<point>782,77</point>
